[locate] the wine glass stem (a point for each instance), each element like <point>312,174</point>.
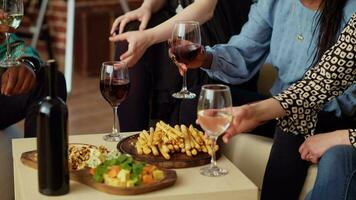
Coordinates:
<point>8,51</point>
<point>213,156</point>
<point>116,124</point>
<point>184,86</point>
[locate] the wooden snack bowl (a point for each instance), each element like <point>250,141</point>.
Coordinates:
<point>82,176</point>
<point>178,160</point>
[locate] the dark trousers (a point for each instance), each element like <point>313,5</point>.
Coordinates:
<point>16,108</point>
<point>286,171</point>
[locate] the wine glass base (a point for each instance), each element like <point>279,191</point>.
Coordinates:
<point>213,171</point>
<point>184,94</point>
<point>113,138</point>
<point>10,63</point>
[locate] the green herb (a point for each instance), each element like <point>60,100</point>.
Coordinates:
<point>137,169</point>
<point>99,172</point>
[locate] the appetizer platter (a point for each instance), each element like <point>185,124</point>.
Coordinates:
<point>110,171</point>
<point>169,147</point>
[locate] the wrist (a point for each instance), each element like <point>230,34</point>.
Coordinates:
<point>151,36</point>
<point>29,64</point>
<point>207,60</point>
<point>343,137</point>
<point>147,5</point>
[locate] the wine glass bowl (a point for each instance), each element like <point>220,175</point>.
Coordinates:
<point>214,117</point>
<point>114,87</point>
<point>185,45</point>
<point>12,16</point>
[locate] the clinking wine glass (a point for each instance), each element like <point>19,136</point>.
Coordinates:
<point>114,87</point>
<point>214,117</point>
<point>13,10</point>
<point>185,45</point>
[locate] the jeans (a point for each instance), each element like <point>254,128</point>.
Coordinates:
<point>286,171</point>
<point>336,179</point>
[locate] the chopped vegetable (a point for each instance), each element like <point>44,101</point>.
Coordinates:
<point>123,171</point>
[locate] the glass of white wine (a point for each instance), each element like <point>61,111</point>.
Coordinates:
<point>13,12</point>
<point>214,117</point>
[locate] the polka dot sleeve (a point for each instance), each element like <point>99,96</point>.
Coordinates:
<point>335,72</point>
<point>352,137</point>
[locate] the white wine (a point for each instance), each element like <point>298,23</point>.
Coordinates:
<point>12,20</point>
<point>215,122</point>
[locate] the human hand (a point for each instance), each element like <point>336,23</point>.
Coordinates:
<point>17,80</point>
<point>142,14</point>
<point>244,120</point>
<point>138,42</point>
<point>314,147</point>
<point>186,54</point>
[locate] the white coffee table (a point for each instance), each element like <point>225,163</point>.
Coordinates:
<point>190,184</point>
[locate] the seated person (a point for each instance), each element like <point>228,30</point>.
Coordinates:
<point>274,34</point>
<point>21,86</point>
<point>152,74</point>
<point>297,108</point>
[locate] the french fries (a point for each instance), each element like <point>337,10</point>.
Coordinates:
<point>165,140</point>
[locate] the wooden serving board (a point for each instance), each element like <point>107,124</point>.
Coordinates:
<point>178,160</point>
<point>82,176</point>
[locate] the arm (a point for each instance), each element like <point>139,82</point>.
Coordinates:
<point>330,78</point>
<point>142,14</point>
<point>241,58</point>
<point>139,41</point>
<point>20,80</point>
<point>318,86</point>
<point>249,116</point>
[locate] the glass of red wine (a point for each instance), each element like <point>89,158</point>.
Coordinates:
<point>114,87</point>
<point>185,45</point>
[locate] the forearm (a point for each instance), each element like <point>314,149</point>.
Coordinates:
<point>153,5</point>
<point>200,10</point>
<point>267,110</point>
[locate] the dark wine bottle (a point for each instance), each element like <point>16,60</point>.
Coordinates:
<point>52,138</point>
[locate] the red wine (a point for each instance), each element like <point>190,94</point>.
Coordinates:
<point>186,53</point>
<point>52,138</point>
<point>114,92</point>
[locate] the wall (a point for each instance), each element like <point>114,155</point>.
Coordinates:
<point>56,17</point>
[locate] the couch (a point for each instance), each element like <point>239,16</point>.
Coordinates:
<point>250,154</point>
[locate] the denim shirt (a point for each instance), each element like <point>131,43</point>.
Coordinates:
<point>279,32</point>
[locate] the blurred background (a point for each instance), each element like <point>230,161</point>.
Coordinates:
<point>47,20</point>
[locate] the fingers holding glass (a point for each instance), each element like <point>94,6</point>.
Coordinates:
<point>12,17</point>
<point>185,44</point>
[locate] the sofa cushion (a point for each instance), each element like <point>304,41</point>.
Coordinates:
<point>250,154</point>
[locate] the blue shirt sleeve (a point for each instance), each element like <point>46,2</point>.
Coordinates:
<point>241,58</point>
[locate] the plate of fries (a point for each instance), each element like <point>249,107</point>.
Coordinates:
<point>169,147</point>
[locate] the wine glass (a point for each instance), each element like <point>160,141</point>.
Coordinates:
<point>214,117</point>
<point>185,45</point>
<point>13,10</point>
<point>114,87</point>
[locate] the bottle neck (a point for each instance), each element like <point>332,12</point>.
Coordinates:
<point>50,80</point>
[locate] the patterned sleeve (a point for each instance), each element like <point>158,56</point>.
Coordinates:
<point>335,72</point>
<point>352,137</point>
